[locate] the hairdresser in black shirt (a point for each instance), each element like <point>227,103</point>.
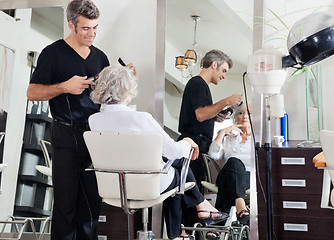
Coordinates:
<point>198,112</point>
<point>61,77</point>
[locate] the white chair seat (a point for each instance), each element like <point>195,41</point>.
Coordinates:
<point>44,170</point>
<point>136,204</point>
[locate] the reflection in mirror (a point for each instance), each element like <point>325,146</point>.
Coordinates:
<point>224,25</point>
<point>30,31</point>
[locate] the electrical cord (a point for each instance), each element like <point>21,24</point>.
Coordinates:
<point>256,145</point>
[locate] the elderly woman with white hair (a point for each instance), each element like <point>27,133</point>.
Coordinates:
<point>115,88</point>
<point>233,145</point>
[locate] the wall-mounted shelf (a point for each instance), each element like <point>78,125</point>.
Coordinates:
<point>35,179</point>
<point>24,210</point>
<point>33,188</point>
<point>39,117</point>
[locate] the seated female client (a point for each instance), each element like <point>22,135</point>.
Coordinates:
<point>115,88</point>
<point>233,144</point>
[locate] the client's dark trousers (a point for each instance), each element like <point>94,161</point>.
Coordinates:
<point>76,200</point>
<point>232,182</point>
<point>172,206</point>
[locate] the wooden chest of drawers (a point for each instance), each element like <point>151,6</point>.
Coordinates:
<point>297,187</point>
<point>115,224</point>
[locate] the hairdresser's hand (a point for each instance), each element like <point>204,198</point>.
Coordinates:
<point>133,68</point>
<point>75,85</point>
<point>234,100</point>
<point>221,117</point>
<point>194,146</point>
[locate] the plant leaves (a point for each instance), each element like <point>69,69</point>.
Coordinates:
<point>279,19</point>
<point>298,71</point>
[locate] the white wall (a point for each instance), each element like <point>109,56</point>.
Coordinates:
<point>128,29</point>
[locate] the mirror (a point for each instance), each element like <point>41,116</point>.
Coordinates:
<point>26,30</point>
<point>219,27</point>
<point>224,25</point>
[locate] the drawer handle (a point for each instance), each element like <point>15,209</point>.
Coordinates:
<point>294,205</point>
<point>292,161</point>
<point>102,218</point>
<point>293,183</point>
<point>295,227</point>
<point>102,237</point>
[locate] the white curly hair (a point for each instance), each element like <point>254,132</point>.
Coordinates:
<point>236,111</point>
<point>114,84</point>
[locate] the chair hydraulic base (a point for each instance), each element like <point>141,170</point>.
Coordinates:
<point>20,224</point>
<point>145,235</point>
<point>236,231</point>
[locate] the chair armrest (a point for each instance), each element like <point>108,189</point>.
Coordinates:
<point>206,164</point>
<point>208,160</point>
<point>44,147</point>
<point>167,166</point>
<point>91,168</point>
<point>184,172</point>
<point>326,190</point>
<point>2,134</point>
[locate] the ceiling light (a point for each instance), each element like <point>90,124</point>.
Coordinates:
<point>190,57</point>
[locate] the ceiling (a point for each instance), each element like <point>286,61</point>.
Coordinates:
<point>12,4</point>
<point>54,15</point>
<point>225,25</point>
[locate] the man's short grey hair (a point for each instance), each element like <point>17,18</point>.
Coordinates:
<point>84,8</point>
<point>115,84</point>
<point>218,56</point>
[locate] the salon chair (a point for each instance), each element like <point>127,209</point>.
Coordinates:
<point>45,169</point>
<point>128,169</point>
<point>327,143</point>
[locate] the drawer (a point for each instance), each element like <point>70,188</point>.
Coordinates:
<point>296,205</point>
<point>297,157</point>
<point>115,224</point>
<point>298,228</point>
<point>293,173</point>
<point>294,182</point>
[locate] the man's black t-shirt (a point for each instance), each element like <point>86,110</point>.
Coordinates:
<point>59,62</point>
<point>196,94</point>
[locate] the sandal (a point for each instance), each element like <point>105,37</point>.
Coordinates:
<point>244,219</point>
<point>213,236</point>
<point>210,220</point>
